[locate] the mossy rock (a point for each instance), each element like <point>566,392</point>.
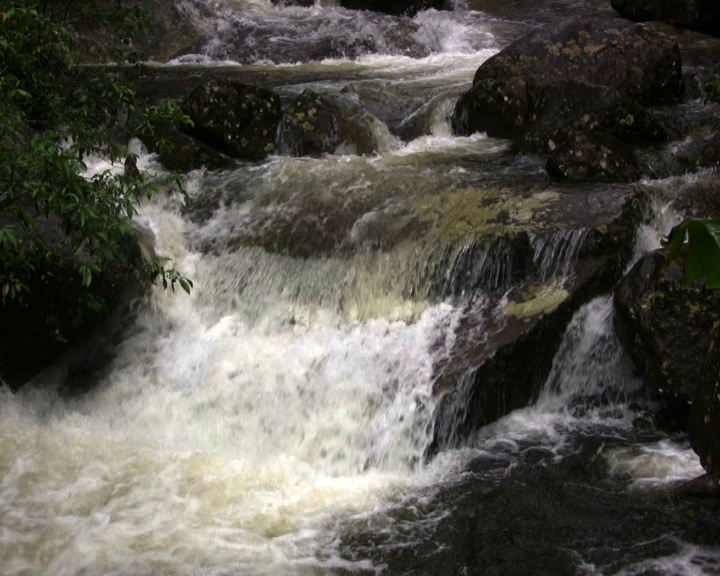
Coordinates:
<point>237,119</point>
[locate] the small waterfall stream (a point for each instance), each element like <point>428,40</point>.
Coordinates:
<point>277,421</point>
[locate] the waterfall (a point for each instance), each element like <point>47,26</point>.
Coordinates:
<point>281,417</point>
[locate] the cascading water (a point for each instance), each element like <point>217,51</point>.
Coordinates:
<point>278,420</point>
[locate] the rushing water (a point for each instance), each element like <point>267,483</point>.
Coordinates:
<point>277,420</point>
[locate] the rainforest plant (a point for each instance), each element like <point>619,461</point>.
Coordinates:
<point>66,239</point>
<point>703,257</point>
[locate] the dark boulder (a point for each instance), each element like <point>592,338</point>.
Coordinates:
<point>501,108</point>
<point>168,27</point>
<point>671,330</point>
<point>709,156</point>
<point>540,116</point>
<point>704,421</point>
<point>608,52</point>
<point>592,156</point>
<point>236,119</point>
<point>395,7</point>
<point>179,151</point>
<point>665,325</point>
<point>574,91</point>
<point>701,15</point>
<point>311,126</point>
<point>314,124</point>
<point>567,107</point>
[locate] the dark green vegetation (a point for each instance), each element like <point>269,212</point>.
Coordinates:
<point>703,258</point>
<point>67,246</point>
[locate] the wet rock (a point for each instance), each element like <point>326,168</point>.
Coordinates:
<point>181,152</point>
<point>396,7</point>
<point>593,156</point>
<point>488,521</point>
<point>698,14</point>
<point>704,420</point>
<point>167,29</point>
<point>304,36</point>
<point>665,325</point>
<point>570,107</point>
<point>709,156</point>
<point>302,3</point>
<point>541,116</point>
<point>501,108</point>
<point>573,91</point>
<point>544,11</point>
<point>313,125</point>
<point>608,52</point>
<point>504,367</point>
<point>698,198</point>
<point>236,119</point>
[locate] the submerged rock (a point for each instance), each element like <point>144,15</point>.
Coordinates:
<point>396,7</point>
<point>237,119</point>
<point>698,14</point>
<point>303,3</point>
<point>310,35</point>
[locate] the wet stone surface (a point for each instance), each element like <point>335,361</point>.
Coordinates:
<point>546,515</point>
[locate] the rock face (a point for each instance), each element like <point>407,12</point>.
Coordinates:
<point>573,92</point>
<point>671,332</point>
<point>505,366</point>
<point>313,125</point>
<point>396,7</point>
<point>664,325</point>
<point>236,119</point>
<point>704,422</point>
<point>698,14</point>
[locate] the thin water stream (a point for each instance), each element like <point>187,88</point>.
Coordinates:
<point>278,420</point>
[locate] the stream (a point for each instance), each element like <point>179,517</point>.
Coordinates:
<point>282,418</point>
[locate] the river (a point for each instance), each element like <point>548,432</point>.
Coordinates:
<point>279,419</point>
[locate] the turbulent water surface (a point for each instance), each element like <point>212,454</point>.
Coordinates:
<point>278,421</point>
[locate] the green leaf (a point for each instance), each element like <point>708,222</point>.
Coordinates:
<point>185,284</point>
<point>86,275</point>
<point>703,260</point>
<point>675,240</point>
